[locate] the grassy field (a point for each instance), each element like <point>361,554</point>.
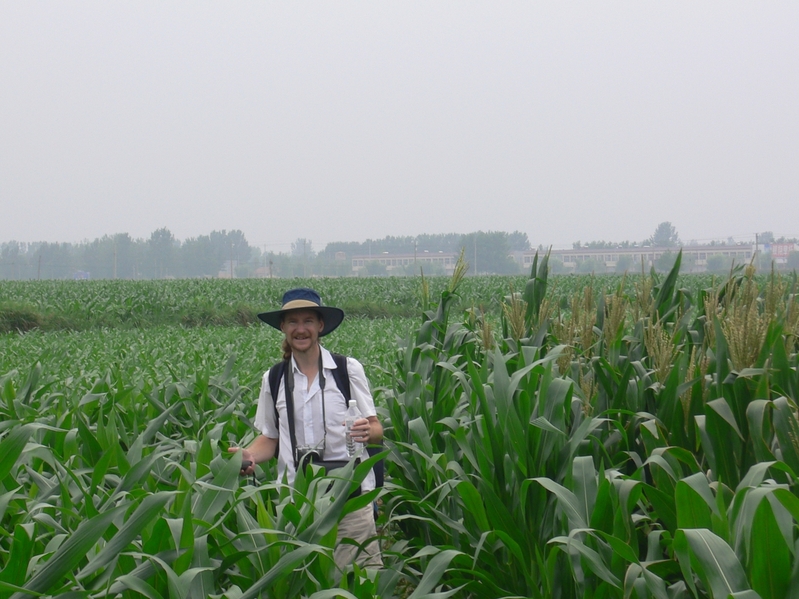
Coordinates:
<point>566,437</point>
<point>81,305</point>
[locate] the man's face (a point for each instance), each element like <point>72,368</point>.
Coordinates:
<point>302,328</point>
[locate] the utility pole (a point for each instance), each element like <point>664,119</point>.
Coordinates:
<point>39,269</point>
<point>115,259</point>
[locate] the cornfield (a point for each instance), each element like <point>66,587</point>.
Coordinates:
<point>621,437</point>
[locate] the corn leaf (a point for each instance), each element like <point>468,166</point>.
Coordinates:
<point>70,553</point>
<point>771,559</point>
<point>701,551</point>
<point>11,447</point>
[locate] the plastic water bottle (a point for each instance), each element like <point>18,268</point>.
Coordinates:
<point>353,413</point>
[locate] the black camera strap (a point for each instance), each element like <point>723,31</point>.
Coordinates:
<point>288,385</point>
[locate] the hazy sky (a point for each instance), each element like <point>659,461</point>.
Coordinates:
<point>342,121</point>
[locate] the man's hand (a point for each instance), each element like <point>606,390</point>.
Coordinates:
<point>261,450</point>
<point>247,461</point>
<point>367,431</point>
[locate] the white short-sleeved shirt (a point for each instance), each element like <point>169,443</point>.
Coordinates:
<point>309,429</point>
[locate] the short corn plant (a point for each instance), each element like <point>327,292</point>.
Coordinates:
<point>127,491</point>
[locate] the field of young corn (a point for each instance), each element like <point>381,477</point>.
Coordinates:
<point>82,305</point>
<point>570,437</point>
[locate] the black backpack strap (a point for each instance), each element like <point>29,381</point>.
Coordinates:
<point>275,374</point>
<point>342,376</point>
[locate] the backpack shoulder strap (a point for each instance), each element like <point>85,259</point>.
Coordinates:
<point>342,376</point>
<point>275,374</point>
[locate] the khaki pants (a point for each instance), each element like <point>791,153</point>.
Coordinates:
<point>360,527</point>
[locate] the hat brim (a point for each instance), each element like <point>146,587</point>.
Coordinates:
<point>332,317</point>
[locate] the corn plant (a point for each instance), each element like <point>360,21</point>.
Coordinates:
<point>121,485</point>
<point>634,457</point>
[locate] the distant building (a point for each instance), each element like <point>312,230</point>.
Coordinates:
<point>696,255</point>
<point>780,251</point>
<point>398,262</point>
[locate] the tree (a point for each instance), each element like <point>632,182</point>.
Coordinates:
<point>10,259</point>
<point>665,236</point>
<point>55,261</point>
<point>518,242</point>
<point>763,261</point>
<point>98,258</point>
<point>199,257</point>
<point>229,245</point>
<point>490,251</point>
<point>688,262</point>
<point>302,248</point>
<point>624,263</point>
<point>592,265</point>
<point>665,262</point>
<point>718,263</point>
<point>556,266</point>
<point>161,248</point>
<point>125,251</point>
<point>375,269</point>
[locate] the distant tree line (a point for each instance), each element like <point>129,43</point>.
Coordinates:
<point>120,256</point>
<point>665,236</point>
<point>228,253</point>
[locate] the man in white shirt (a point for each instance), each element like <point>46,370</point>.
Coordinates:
<point>319,411</point>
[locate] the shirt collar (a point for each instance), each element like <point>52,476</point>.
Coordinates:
<point>328,363</point>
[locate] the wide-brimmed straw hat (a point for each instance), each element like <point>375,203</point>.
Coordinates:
<point>303,298</point>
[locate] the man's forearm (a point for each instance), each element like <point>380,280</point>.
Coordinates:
<point>262,449</point>
<point>375,431</point>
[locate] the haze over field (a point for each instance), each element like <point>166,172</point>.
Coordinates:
<point>348,121</point>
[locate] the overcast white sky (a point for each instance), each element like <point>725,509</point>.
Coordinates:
<point>342,121</point>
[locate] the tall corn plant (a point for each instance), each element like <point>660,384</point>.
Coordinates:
<point>471,430</point>
<point>637,462</point>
